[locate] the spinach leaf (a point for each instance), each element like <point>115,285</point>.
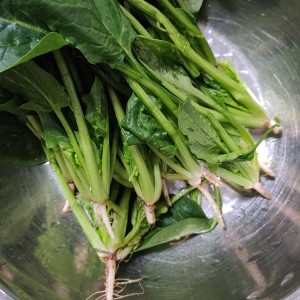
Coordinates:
<point>18,146</point>
<point>11,103</point>
<point>42,91</point>
<point>193,6</point>
<point>165,59</point>
<point>203,140</point>
<point>23,36</point>
<point>96,110</point>
<point>184,218</point>
<point>141,127</point>
<point>221,97</point>
<point>54,134</point>
<point>97,28</point>
<point>184,20</point>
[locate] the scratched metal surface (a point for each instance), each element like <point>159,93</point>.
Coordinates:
<point>43,254</point>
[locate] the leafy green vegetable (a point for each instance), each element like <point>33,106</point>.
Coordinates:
<point>142,165</point>
<point>183,219</point>
<point>141,127</point>
<point>192,6</point>
<point>97,28</point>
<point>22,37</point>
<point>134,100</point>
<point>203,140</point>
<point>187,25</point>
<point>41,90</point>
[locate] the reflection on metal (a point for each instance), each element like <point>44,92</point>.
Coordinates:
<point>44,255</point>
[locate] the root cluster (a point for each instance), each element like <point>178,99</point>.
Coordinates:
<point>119,288</point>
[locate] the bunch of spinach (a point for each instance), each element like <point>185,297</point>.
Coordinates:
<point>133,99</point>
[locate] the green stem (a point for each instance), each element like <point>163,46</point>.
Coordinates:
<point>185,156</point>
<point>182,4</point>
<point>145,181</point>
<point>97,188</point>
<point>135,23</point>
<point>172,164</point>
<point>234,88</point>
<point>72,138</point>
<point>151,85</point>
<point>247,119</point>
<point>192,29</point>
<point>176,88</point>
<point>222,133</point>
<point>63,168</point>
<point>181,193</point>
<point>133,234</point>
<point>106,170</point>
<point>121,174</point>
<point>36,127</point>
<point>78,177</point>
<point>157,178</point>
<point>120,220</point>
<point>244,118</point>
<point>81,217</point>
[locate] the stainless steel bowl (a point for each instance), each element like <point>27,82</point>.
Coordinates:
<point>44,255</point>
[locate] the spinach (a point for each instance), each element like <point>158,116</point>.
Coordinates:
<point>142,165</point>
<point>22,38</point>
<point>105,36</point>
<point>41,91</point>
<point>183,219</point>
<point>122,98</point>
<point>193,6</point>
<point>140,127</point>
<point>203,139</point>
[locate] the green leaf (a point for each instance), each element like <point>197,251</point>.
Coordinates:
<point>22,37</point>
<point>41,90</point>
<point>56,136</point>
<point>18,146</point>
<point>142,127</point>
<point>96,110</point>
<point>203,140</point>
<point>221,97</point>
<point>164,58</point>
<point>187,25</point>
<point>193,6</point>
<point>219,94</point>
<point>97,28</point>
<point>11,103</point>
<point>184,218</point>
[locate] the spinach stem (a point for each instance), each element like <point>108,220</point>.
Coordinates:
<point>78,177</point>
<point>97,187</point>
<point>182,4</point>
<point>148,180</point>
<point>184,154</point>
<point>183,45</point>
<point>82,219</point>
<point>99,190</point>
<point>151,85</point>
<point>173,87</point>
<point>135,23</point>
<point>192,29</point>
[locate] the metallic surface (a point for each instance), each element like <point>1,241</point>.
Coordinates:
<point>43,254</point>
